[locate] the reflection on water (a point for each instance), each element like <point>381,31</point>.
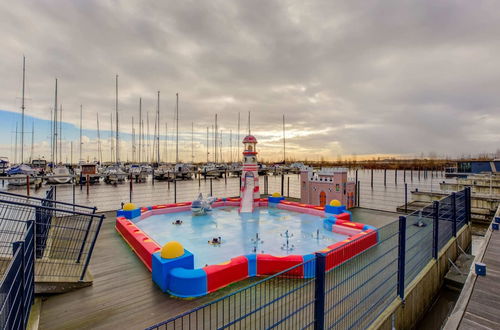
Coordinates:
<point>109,197</point>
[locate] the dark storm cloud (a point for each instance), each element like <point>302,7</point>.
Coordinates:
<point>357,77</point>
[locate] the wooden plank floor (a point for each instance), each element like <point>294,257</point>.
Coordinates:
<point>123,295</point>
<point>482,309</point>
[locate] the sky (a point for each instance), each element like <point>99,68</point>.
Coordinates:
<point>353,78</point>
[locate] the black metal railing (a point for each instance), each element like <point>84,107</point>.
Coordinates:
<point>17,287</point>
<point>349,294</point>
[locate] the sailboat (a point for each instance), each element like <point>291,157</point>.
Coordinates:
<point>114,174</point>
<point>60,174</point>
<point>4,166</point>
<point>18,174</point>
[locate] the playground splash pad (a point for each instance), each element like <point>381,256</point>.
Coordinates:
<point>266,230</point>
<point>203,254</point>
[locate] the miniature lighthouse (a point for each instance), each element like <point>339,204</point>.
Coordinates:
<point>249,175</point>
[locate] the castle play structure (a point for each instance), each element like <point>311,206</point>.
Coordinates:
<point>321,187</point>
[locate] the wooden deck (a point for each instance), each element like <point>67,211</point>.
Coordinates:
<point>482,311</point>
<point>123,295</point>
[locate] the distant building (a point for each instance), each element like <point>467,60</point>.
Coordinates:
<point>478,166</point>
<point>320,187</point>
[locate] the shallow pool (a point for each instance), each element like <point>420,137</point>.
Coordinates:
<point>238,233</point>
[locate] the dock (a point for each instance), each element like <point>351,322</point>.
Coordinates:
<point>123,296</point>
<point>477,306</point>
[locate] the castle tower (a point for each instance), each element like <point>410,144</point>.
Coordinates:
<point>249,175</point>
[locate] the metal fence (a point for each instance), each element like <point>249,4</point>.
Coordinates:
<point>357,291</point>
<point>17,283</point>
<point>350,295</point>
<point>65,234</point>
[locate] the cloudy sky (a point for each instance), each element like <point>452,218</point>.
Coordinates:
<point>352,77</point>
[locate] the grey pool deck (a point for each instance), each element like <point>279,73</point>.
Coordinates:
<point>123,295</point>
<point>479,303</point>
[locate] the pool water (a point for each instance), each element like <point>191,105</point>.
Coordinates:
<point>238,233</point>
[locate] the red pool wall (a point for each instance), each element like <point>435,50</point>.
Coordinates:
<point>268,264</point>
<point>221,275</point>
<point>143,246</point>
<point>342,251</point>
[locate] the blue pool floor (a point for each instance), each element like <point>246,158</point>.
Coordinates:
<point>238,233</point>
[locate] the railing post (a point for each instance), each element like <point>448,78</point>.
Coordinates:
<point>371,178</point>
<point>84,241</point>
<point>91,249</point>
<point>467,205</point>
<point>15,247</point>
<point>435,218</point>
<point>401,257</point>
<point>454,213</point>
<point>175,189</point>
<point>358,194</point>
<point>319,293</point>
<point>282,185</point>
<point>131,188</point>
<point>211,192</point>
<point>406,198</point>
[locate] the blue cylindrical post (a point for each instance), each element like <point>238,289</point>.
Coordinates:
<point>319,293</point>
<point>454,214</point>
<point>435,241</point>
<point>401,257</point>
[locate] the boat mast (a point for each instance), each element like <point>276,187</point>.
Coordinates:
<point>153,150</point>
<point>147,144</point>
<point>177,129</point>
<point>116,110</point>
<point>112,145</point>
<point>54,151</point>
<point>220,148</point>
<point>140,129</point>
<point>231,145</point>
<point>81,117</point>
<point>166,142</point>
<point>60,133</point>
<point>99,150</point>
<point>207,145</point>
<point>248,122</point>
<point>32,140</point>
<point>216,133</point>
<point>15,148</point>
<point>158,137</point>
<point>238,142</point>
<point>22,110</point>
<point>284,154</point>
<point>192,142</point>
<point>133,140</point>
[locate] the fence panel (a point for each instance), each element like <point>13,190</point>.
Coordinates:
<point>461,207</point>
<point>357,291</point>
<point>419,240</point>
<point>17,283</point>
<point>445,216</point>
<point>64,238</point>
<point>281,301</point>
